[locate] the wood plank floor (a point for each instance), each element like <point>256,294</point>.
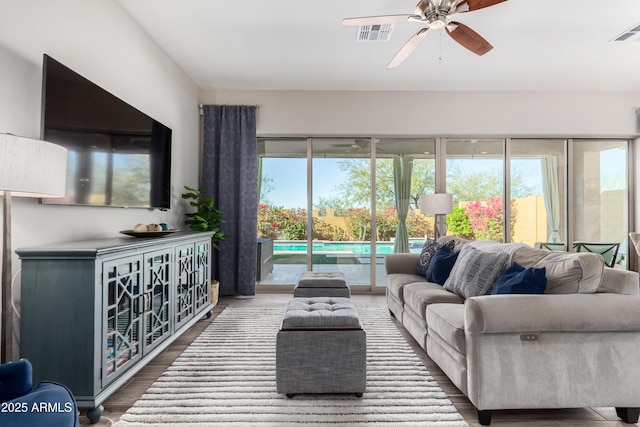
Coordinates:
<point>121,400</point>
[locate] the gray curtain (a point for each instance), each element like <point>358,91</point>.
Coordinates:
<point>402,187</point>
<point>230,175</point>
<point>550,191</point>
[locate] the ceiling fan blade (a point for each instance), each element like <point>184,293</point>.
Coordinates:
<point>408,48</point>
<point>376,20</point>
<point>469,38</point>
<point>479,4</point>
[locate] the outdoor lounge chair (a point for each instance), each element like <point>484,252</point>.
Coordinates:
<point>608,250</point>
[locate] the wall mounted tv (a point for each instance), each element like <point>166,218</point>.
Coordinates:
<point>118,156</point>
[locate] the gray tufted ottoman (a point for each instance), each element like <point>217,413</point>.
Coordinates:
<point>311,284</point>
<point>321,348</point>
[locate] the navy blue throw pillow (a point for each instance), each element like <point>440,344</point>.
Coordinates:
<point>441,265</point>
<point>519,280</point>
<point>428,251</point>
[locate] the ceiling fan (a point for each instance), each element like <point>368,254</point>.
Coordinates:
<point>434,15</point>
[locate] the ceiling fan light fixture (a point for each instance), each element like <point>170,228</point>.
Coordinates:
<point>437,24</point>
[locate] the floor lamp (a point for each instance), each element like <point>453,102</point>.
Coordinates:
<point>28,168</point>
<point>439,205</point>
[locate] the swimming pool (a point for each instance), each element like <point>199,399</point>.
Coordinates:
<point>318,247</point>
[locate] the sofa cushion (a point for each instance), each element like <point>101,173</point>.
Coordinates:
<point>441,265</point>
<point>475,272</point>
<point>395,283</point>
<point>320,313</point>
<point>417,296</point>
<point>511,249</point>
<point>428,251</point>
<point>447,321</point>
<point>519,280</point>
<point>567,272</point>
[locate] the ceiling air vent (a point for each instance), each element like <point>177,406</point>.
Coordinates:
<point>631,35</point>
<point>374,33</point>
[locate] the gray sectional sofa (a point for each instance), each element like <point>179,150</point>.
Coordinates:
<point>575,345</point>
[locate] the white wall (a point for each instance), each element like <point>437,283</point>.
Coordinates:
<point>568,114</point>
<point>100,41</point>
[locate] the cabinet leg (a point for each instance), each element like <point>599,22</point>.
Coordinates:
<point>94,414</point>
<point>209,314</point>
<point>628,415</point>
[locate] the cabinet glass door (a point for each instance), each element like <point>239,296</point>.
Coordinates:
<point>122,297</point>
<point>185,263</point>
<point>201,274</point>
<point>157,278</point>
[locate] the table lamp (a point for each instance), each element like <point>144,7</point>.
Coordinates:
<point>439,205</point>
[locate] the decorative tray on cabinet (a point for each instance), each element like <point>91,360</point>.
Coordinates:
<point>148,233</point>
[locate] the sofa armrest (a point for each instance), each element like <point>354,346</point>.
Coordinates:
<point>552,351</point>
<point>619,281</point>
<point>405,263</point>
<point>548,313</point>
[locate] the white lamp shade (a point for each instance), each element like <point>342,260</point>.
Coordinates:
<point>32,168</point>
<point>436,204</point>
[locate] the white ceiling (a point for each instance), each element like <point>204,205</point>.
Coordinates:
<point>302,45</point>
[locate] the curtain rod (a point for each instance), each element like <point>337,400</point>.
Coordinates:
<point>201,107</point>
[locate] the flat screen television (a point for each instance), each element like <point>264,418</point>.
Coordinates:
<point>117,155</point>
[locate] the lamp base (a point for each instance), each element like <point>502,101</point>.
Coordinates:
<point>440,228</point>
<point>6,334</point>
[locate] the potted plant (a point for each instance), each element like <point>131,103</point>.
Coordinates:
<point>205,218</point>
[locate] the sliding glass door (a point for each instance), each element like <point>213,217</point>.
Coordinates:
<point>475,177</point>
<point>600,213</point>
<point>282,210</point>
<point>538,188</point>
<point>341,200</point>
<point>405,170</point>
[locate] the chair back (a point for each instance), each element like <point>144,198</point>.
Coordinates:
<point>609,251</point>
<point>551,246</point>
<point>15,379</point>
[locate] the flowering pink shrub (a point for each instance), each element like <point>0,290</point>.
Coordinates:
<point>487,218</point>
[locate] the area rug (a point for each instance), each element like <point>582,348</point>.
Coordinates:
<point>226,377</point>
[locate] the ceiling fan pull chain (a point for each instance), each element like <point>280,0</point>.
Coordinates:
<point>440,46</point>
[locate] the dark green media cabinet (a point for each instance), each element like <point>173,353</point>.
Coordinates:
<point>93,313</point>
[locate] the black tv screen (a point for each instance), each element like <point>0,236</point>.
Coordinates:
<point>117,155</point>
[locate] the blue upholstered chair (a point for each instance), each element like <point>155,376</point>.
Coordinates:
<point>46,405</point>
